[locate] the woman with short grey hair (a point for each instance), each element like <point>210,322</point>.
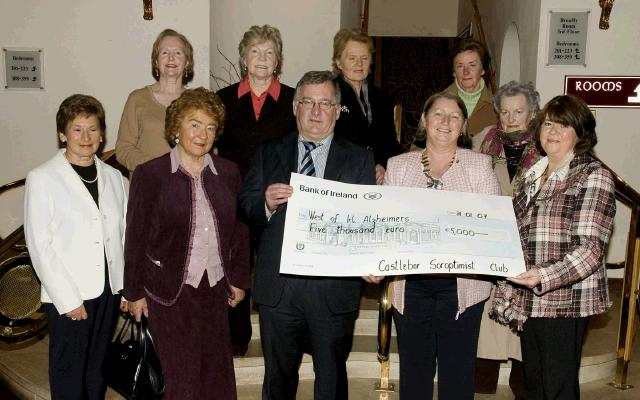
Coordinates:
<point>510,143</point>
<point>513,150</point>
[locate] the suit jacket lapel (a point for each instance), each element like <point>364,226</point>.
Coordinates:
<point>288,154</point>
<point>336,160</point>
<point>101,179</point>
<point>72,179</point>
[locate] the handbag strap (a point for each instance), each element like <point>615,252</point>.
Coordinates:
<point>127,322</point>
<point>146,340</point>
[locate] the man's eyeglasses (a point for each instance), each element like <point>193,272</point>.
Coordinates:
<point>324,105</point>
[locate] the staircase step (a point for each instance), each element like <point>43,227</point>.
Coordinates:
<point>23,367</point>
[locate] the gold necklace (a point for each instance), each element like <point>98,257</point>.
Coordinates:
<point>433,182</point>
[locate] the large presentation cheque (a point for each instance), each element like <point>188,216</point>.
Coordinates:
<point>338,229</point>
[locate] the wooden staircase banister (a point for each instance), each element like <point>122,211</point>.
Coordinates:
<point>629,298</point>
<point>491,76</point>
<point>624,192</point>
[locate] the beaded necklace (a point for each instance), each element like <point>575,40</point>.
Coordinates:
<point>433,182</point>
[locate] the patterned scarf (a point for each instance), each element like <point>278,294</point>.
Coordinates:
<point>493,145</point>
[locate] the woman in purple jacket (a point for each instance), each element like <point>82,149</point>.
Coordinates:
<point>186,254</point>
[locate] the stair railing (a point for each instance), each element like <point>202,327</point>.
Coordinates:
<point>629,298</point>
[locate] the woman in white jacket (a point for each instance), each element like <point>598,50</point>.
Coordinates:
<point>75,208</point>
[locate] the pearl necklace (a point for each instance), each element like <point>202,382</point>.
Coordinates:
<point>91,181</point>
<point>433,182</point>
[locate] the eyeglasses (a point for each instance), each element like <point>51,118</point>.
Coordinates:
<point>324,105</point>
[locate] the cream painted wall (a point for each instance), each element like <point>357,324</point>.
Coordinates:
<point>307,29</point>
<point>102,48</point>
<point>497,15</point>
<point>351,12</point>
<point>94,47</point>
<point>609,52</point>
<point>435,18</point>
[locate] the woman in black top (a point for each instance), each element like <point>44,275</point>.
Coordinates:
<point>366,114</point>
<point>259,107</point>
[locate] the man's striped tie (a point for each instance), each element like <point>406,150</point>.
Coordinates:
<point>307,167</point>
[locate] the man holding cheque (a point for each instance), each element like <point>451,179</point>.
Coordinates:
<point>292,307</point>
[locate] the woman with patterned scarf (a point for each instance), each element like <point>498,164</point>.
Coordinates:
<point>513,151</point>
<point>511,144</point>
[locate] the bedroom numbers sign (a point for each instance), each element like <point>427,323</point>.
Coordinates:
<point>567,38</point>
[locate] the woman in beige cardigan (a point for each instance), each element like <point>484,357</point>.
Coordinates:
<point>141,133</point>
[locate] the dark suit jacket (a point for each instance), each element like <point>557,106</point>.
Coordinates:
<point>159,229</point>
<point>243,133</point>
<point>273,163</point>
<point>353,125</point>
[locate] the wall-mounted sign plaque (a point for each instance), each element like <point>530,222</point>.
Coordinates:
<point>23,68</point>
<point>567,38</point>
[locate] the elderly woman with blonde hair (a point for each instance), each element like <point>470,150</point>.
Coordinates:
<point>366,116</point>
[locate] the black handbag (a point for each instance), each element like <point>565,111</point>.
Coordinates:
<point>131,366</point>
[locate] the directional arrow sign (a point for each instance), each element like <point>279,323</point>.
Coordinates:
<point>605,91</point>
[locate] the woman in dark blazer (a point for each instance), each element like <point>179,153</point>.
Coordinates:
<point>366,112</point>
<point>259,107</point>
<point>186,254</point>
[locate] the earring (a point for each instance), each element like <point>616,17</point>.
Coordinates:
<point>100,139</point>
<point>177,140</point>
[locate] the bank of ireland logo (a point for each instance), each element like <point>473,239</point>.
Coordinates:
<point>372,196</point>
<point>299,246</point>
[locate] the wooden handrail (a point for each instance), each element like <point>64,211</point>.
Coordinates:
<point>490,72</point>
<point>624,192</point>
<point>12,185</point>
<point>107,156</point>
<point>629,298</point>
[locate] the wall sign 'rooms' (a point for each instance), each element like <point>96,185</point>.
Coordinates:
<point>605,91</point>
